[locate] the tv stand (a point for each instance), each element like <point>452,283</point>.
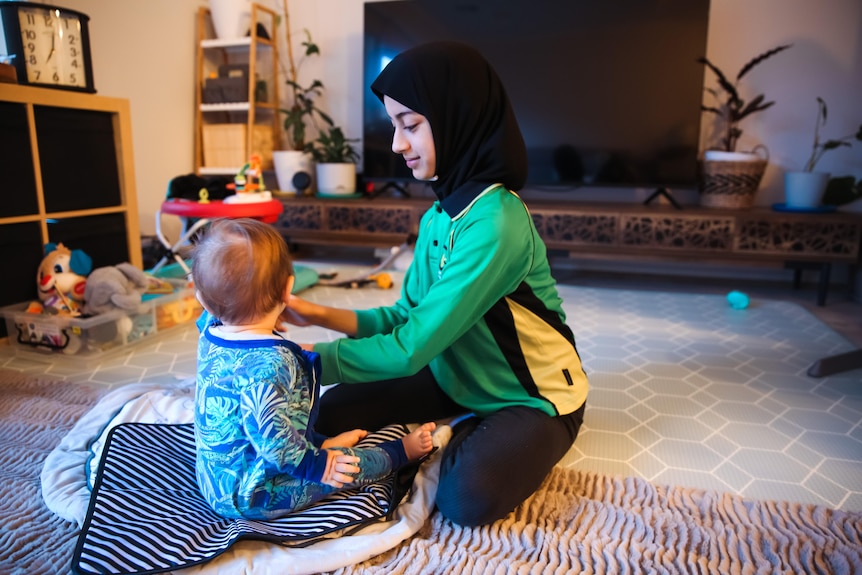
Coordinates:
<point>756,236</point>
<point>663,192</point>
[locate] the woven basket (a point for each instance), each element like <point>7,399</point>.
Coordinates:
<point>730,184</point>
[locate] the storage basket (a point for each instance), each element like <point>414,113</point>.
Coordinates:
<point>728,184</point>
<point>731,179</point>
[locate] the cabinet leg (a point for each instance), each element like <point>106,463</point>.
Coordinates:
<point>836,364</point>
<point>823,284</point>
<point>797,278</point>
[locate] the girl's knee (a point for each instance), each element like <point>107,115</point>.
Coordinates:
<point>468,505</point>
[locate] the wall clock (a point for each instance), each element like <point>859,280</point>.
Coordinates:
<point>51,45</point>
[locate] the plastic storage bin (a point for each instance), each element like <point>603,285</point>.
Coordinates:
<point>87,340</point>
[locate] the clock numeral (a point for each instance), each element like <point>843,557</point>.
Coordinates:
<point>73,78</point>
<point>30,34</point>
<point>73,52</point>
<point>31,47</point>
<point>31,19</point>
<point>74,63</point>
<point>56,77</point>
<point>73,40</point>
<point>32,59</point>
<point>48,21</point>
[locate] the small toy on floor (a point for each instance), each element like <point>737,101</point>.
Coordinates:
<point>381,280</point>
<point>737,300</point>
<point>374,276</point>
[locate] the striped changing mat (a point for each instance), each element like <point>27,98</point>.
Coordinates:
<point>146,514</point>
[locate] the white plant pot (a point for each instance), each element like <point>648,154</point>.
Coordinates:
<point>804,189</point>
<point>336,179</point>
<point>231,18</point>
<point>293,170</point>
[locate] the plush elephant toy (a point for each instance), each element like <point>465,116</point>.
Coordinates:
<point>114,287</point>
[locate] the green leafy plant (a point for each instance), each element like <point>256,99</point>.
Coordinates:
<point>331,147</point>
<point>842,190</point>
<point>732,108</point>
<point>304,107</point>
<point>819,148</point>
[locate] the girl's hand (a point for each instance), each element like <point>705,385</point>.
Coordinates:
<point>341,469</point>
<point>296,312</point>
<point>301,312</point>
<point>346,439</point>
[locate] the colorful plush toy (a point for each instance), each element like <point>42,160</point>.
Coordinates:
<point>61,279</point>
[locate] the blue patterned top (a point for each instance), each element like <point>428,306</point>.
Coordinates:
<point>255,404</point>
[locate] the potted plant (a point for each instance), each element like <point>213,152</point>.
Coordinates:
<point>304,99</point>
<point>805,189</point>
<point>843,190</point>
<point>730,178</point>
<point>336,158</point>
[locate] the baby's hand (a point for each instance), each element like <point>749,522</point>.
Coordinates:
<point>346,439</point>
<point>341,469</point>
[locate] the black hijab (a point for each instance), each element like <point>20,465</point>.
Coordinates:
<point>476,136</point>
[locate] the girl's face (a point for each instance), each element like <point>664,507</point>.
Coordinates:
<point>412,139</point>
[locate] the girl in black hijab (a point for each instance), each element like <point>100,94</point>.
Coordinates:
<point>476,134</point>
<point>478,337</point>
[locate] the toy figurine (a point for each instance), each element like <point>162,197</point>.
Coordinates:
<point>239,182</point>
<point>250,176</point>
<point>248,184</point>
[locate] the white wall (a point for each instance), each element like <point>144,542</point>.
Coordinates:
<point>144,50</point>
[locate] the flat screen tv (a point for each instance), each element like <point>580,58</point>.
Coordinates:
<point>607,92</point>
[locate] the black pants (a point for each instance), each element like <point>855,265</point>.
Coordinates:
<point>491,464</point>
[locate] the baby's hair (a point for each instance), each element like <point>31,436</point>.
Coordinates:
<point>240,268</point>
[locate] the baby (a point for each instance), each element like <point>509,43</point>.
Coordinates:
<point>256,401</point>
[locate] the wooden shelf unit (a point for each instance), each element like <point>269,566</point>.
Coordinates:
<point>69,177</point>
<point>250,126</point>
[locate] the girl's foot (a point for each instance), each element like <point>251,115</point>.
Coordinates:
<point>418,443</point>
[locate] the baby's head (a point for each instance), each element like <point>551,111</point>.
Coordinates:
<point>240,269</point>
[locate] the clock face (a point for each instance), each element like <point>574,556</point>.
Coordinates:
<point>52,42</point>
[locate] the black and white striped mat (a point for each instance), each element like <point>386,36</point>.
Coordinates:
<point>146,514</point>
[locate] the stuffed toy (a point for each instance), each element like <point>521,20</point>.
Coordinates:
<point>114,287</point>
<point>61,279</point>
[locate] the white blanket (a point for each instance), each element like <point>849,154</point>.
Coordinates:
<point>68,473</point>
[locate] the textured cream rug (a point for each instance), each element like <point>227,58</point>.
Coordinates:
<point>35,414</point>
<point>576,522</point>
<point>587,523</point>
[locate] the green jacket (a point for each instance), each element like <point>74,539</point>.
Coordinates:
<point>479,307</point>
